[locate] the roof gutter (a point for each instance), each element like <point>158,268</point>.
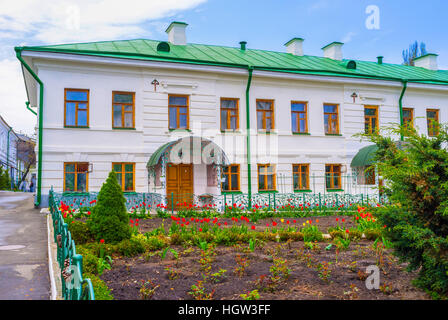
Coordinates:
<point>250,70</point>
<point>40,117</point>
<point>400,104</point>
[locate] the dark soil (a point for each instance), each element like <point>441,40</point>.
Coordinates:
<point>304,283</point>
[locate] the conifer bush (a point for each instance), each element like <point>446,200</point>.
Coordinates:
<point>109,219</point>
<point>416,220</point>
<point>5,181</point>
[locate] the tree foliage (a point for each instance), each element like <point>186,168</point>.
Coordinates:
<point>416,175</point>
<point>414,51</point>
<point>109,219</point>
<point>5,180</point>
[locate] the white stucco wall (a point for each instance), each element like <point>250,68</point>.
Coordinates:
<point>101,145</point>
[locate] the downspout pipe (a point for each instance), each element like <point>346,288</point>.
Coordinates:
<point>250,70</point>
<point>38,199</point>
<point>400,104</point>
<point>28,107</point>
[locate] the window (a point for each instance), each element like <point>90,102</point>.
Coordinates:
<point>76,112</point>
<point>265,114</point>
<point>123,109</point>
<point>231,178</point>
<point>366,175</point>
<point>76,176</point>
<point>301,176</point>
<point>333,176</point>
<point>125,175</point>
<point>370,119</point>
<point>408,117</point>
<point>299,117</point>
<point>331,118</point>
<point>229,114</point>
<point>432,118</point>
<point>266,177</point>
<point>178,112</point>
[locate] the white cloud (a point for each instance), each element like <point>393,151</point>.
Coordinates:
<point>52,21</point>
<point>12,91</point>
<point>32,22</point>
<point>318,5</point>
<point>348,37</point>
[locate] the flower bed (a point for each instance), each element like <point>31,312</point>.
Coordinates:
<point>196,255</point>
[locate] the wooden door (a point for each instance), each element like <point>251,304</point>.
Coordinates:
<point>179,184</point>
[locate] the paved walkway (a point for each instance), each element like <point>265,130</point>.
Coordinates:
<point>23,249</point>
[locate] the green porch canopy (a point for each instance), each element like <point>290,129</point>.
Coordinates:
<point>365,156</point>
<point>220,157</point>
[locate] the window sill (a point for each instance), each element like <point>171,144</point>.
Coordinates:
<point>303,191</point>
<point>335,190</point>
<point>268,191</point>
<point>179,130</point>
<point>123,129</point>
<point>74,193</point>
<point>333,134</point>
<point>267,132</point>
<point>129,192</point>
<point>230,192</point>
<point>230,131</point>
<point>76,127</point>
<point>301,133</point>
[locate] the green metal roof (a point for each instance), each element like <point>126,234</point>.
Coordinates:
<point>365,156</point>
<point>143,49</point>
<point>155,157</point>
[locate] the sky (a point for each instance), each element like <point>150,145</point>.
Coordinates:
<point>368,28</point>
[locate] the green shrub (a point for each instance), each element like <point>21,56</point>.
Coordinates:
<point>100,288</point>
<point>372,234</point>
<point>155,243</point>
<point>337,234</point>
<point>109,219</point>
<point>312,234</point>
<point>5,181</point>
<point>80,232</point>
<point>355,234</point>
<point>416,221</point>
<point>130,247</point>
<point>89,263</point>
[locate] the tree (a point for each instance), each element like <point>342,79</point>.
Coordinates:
<point>109,219</point>
<point>5,180</point>
<point>416,175</point>
<point>26,154</point>
<point>413,52</point>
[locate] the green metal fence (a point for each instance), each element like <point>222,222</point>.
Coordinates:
<point>220,202</point>
<point>74,286</point>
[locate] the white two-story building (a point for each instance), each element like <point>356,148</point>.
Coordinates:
<point>255,120</point>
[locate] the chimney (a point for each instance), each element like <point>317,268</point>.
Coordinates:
<point>176,33</point>
<point>295,46</point>
<point>243,45</point>
<point>380,59</point>
<point>333,50</point>
<point>428,61</point>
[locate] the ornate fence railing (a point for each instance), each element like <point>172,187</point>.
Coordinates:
<point>221,202</point>
<point>74,286</point>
